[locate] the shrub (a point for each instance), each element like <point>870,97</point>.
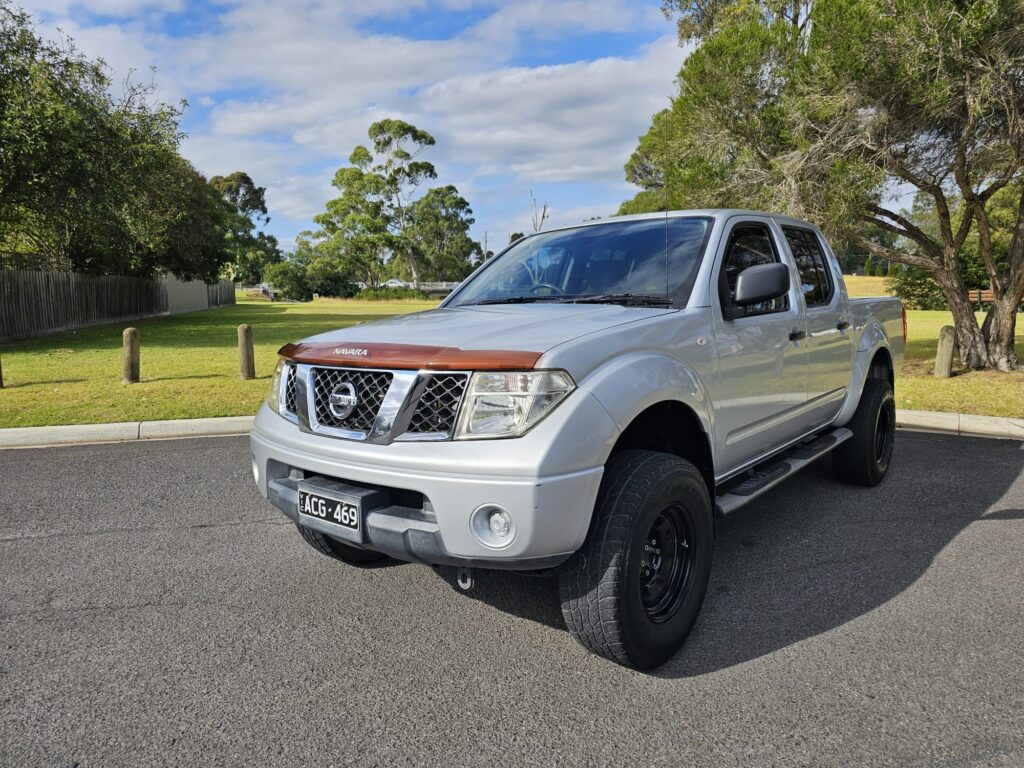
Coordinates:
<point>915,288</point>
<point>391,294</point>
<point>288,278</point>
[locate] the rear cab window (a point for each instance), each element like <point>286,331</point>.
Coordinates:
<point>815,277</point>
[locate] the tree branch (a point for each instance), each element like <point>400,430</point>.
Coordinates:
<point>906,229</point>
<point>890,254</point>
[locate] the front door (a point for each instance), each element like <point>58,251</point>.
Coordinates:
<point>762,363</point>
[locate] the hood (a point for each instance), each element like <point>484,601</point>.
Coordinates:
<point>503,336</point>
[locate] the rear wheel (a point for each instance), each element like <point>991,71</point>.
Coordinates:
<point>333,548</point>
<point>633,591</point>
<point>864,459</point>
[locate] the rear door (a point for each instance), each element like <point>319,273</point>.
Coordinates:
<point>828,343</point>
<point>762,365</point>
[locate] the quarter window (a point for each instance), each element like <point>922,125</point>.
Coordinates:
<point>815,281</point>
<point>748,246</point>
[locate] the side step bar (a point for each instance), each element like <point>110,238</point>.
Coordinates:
<point>787,464</point>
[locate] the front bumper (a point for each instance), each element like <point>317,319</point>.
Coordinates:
<point>547,480</point>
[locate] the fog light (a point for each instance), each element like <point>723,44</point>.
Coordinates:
<point>255,470</point>
<point>500,523</point>
<point>493,526</point>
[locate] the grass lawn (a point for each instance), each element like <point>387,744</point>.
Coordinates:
<point>190,365</point>
<point>984,392</point>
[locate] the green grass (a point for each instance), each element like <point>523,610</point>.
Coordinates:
<point>990,393</point>
<point>860,286</point>
<point>190,365</point>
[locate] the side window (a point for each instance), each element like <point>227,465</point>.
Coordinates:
<point>815,280</point>
<point>749,245</point>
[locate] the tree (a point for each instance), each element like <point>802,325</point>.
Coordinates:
<point>397,144</point>
<point>356,232</point>
<point>251,250</point>
<point>288,277</point>
<point>439,232</point>
<point>91,181</point>
<point>377,215</point>
<point>826,111</point>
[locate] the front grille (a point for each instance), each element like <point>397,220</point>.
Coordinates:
<point>439,404</point>
<point>289,389</point>
<point>370,388</point>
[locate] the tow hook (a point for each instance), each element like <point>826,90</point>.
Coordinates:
<point>465,579</point>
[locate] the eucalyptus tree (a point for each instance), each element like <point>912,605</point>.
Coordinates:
<point>394,161</point>
<point>836,110</point>
<point>439,232</point>
<point>379,214</point>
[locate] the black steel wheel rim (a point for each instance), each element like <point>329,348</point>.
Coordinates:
<point>885,427</point>
<point>666,564</point>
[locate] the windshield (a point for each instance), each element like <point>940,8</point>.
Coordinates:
<point>618,262</point>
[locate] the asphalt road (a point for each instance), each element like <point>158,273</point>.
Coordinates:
<point>154,610</point>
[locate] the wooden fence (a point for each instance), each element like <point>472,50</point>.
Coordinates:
<point>221,294</point>
<point>35,303</point>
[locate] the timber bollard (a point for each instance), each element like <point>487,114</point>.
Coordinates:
<point>130,368</point>
<point>944,354</point>
<point>246,361</point>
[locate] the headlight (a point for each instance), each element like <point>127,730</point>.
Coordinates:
<point>274,397</point>
<point>509,404</point>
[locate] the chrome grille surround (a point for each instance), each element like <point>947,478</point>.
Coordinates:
<point>394,405</point>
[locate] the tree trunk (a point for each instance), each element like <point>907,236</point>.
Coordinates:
<point>998,330</point>
<point>410,256</point>
<point>969,338</point>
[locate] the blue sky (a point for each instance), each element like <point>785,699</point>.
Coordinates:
<point>520,95</point>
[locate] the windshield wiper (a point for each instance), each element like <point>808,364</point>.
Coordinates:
<point>626,299</point>
<point>513,300</point>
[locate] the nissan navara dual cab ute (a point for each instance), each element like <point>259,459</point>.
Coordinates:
<point>589,401</point>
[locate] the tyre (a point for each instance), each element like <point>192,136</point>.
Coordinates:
<point>864,459</point>
<point>325,545</point>
<point>633,591</point>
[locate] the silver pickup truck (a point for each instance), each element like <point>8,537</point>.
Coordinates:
<point>591,400</point>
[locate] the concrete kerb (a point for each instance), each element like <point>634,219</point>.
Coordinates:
<point>29,437</point>
<point>75,434</point>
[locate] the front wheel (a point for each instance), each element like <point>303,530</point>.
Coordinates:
<point>337,550</point>
<point>864,459</point>
<point>633,591</point>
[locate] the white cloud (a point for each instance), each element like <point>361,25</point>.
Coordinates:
<point>557,123</point>
<point>290,87</point>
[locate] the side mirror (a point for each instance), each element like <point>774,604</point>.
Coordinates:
<point>762,282</point>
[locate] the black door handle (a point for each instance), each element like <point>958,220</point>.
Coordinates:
<point>797,335</point>
<point>843,325</point>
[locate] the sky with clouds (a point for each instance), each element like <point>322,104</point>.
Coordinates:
<point>520,95</point>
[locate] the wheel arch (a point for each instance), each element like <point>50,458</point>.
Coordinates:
<point>873,360</point>
<point>671,426</point>
<point>881,367</point>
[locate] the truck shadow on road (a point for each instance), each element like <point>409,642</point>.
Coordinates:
<point>814,554</point>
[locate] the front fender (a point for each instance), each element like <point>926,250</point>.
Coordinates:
<point>629,384</point>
